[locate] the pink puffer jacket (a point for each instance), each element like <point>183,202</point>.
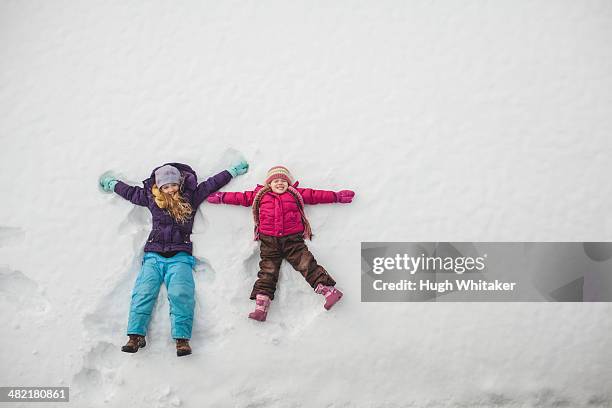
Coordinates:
<point>279,214</point>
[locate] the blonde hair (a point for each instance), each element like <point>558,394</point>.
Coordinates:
<point>177,206</point>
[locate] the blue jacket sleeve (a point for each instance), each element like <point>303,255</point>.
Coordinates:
<point>209,186</point>
<point>135,194</point>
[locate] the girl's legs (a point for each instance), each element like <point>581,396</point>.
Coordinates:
<point>269,267</point>
<point>144,295</point>
<point>181,290</point>
<point>303,261</point>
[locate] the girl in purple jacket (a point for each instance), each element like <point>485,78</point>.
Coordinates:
<point>173,195</point>
<point>281,226</point>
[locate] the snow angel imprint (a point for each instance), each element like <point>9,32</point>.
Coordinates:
<point>281,226</point>
<point>173,196</point>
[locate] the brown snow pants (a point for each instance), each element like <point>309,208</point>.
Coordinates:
<point>290,247</point>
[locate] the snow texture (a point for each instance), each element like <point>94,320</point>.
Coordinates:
<point>453,121</point>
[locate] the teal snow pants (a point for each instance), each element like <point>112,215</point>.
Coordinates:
<point>177,274</point>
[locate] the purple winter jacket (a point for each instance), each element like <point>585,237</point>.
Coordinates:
<point>167,235</point>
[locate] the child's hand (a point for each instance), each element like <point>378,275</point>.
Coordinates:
<point>345,196</point>
<point>215,198</point>
<point>239,169</point>
<point>107,182</point>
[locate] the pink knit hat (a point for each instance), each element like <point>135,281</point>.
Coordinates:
<point>279,172</point>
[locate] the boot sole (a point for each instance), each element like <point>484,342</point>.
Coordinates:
<point>183,353</point>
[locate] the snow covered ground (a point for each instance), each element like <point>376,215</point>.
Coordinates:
<point>453,121</point>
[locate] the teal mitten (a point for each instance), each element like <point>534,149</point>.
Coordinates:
<point>107,182</point>
<point>239,168</point>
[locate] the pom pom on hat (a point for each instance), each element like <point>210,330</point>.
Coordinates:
<point>279,172</point>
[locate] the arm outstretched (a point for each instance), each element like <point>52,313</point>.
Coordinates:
<point>214,183</point>
<point>135,194</point>
<point>312,196</point>
<point>233,197</point>
<point>109,183</point>
<point>210,185</point>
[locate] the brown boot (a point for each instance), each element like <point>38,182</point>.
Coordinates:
<point>135,342</point>
<point>182,347</point>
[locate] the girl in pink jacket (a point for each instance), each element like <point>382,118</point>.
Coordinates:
<point>281,226</point>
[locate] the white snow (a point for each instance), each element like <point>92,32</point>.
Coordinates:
<point>452,121</point>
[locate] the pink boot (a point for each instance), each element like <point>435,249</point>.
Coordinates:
<point>332,295</point>
<point>261,310</point>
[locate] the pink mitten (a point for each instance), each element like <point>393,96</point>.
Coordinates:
<point>345,196</point>
<point>215,198</point>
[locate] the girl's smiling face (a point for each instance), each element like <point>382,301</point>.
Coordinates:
<point>170,188</point>
<point>279,185</point>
